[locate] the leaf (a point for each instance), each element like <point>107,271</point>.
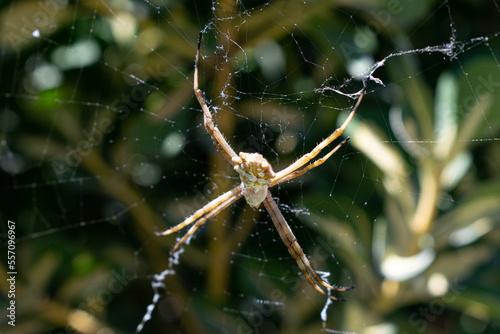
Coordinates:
<point>445,115</point>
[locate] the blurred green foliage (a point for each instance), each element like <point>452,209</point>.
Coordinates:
<point>102,144</point>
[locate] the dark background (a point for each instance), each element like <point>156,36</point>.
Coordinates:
<point>103,144</point>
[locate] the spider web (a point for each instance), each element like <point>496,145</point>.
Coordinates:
<point>103,144</point>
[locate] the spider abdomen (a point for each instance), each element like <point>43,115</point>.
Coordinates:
<point>255,174</point>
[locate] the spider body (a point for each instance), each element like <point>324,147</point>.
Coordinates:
<point>257,177</point>
<point>255,174</point>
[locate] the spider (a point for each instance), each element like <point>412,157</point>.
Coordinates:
<point>257,176</point>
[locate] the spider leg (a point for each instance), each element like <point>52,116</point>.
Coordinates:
<point>296,251</point>
<point>219,141</point>
<point>312,165</point>
<point>327,141</point>
<point>205,213</point>
<point>214,212</point>
<point>236,191</point>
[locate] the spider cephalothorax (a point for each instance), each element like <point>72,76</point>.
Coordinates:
<point>255,174</point>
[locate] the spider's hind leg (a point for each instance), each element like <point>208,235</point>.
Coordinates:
<point>296,251</point>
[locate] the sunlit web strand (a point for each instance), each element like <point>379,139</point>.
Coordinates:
<point>437,141</point>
